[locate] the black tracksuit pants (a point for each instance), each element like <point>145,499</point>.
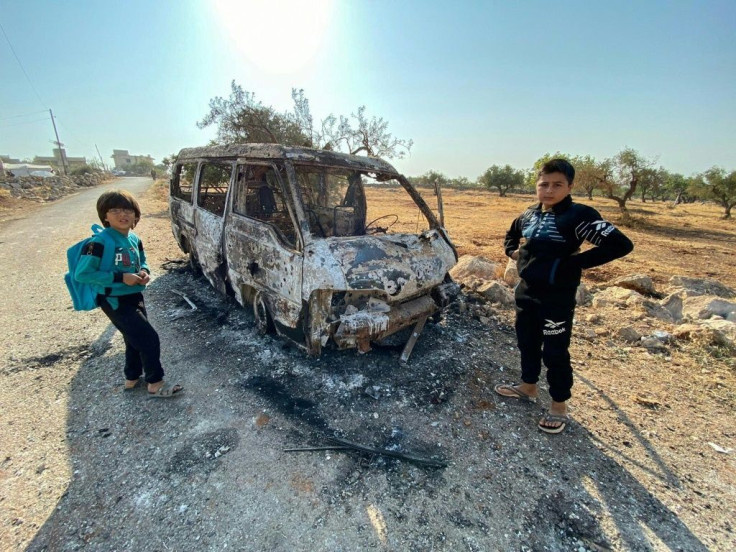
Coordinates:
<point>142,345</point>
<point>543,326</point>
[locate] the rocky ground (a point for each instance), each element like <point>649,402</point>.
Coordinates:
<point>647,463</point>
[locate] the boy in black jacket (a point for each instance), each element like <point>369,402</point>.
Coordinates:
<point>550,266</point>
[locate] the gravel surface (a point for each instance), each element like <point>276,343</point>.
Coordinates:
<point>86,465</point>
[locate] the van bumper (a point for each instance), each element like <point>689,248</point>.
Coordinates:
<point>360,328</point>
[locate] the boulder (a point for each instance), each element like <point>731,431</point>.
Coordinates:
<point>473,267</point>
<point>497,292</point>
<point>652,344</point>
<point>673,304</point>
<point>615,296</point>
<point>653,309</point>
<point>711,332</point>
<point>628,334</point>
<point>706,306</point>
<point>511,274</point>
<point>700,286</point>
<point>637,282</point>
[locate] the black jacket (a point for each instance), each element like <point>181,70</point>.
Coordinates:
<point>547,257</point>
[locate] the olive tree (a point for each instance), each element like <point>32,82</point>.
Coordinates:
<point>628,169</point>
<point>242,118</point>
<point>430,178</point>
<point>502,179</point>
<point>719,186</point>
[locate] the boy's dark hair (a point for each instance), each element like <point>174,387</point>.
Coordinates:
<point>117,199</point>
<point>558,165</point>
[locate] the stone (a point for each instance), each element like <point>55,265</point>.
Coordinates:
<point>582,295</point>
<point>673,304</point>
<point>474,267</point>
<point>637,282</point>
<point>700,286</point>
<point>711,332</point>
<point>728,329</point>
<point>614,296</point>
<point>511,274</point>
<point>652,343</point>
<point>628,334</point>
<point>705,306</point>
<point>656,310</point>
<point>497,292</point>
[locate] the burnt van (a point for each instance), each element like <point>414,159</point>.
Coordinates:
<point>329,249</point>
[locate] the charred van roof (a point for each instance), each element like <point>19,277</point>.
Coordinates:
<point>292,153</point>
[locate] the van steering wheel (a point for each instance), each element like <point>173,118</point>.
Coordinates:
<point>380,229</point>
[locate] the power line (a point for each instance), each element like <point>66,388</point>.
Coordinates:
<point>21,65</point>
<point>23,123</point>
<point>22,115</point>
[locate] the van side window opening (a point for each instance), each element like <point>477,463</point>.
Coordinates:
<point>183,182</point>
<point>214,181</point>
<point>258,195</point>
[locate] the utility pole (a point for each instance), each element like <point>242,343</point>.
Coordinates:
<point>58,143</point>
<point>104,168</point>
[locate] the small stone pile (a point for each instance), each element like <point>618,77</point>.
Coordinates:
<point>38,188</point>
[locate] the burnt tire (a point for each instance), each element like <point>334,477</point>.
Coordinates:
<point>262,315</point>
<point>194,264</point>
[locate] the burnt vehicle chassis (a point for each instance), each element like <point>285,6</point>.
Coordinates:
<point>304,254</point>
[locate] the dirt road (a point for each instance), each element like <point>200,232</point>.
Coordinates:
<point>86,465</point>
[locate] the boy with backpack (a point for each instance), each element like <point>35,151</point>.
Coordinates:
<point>550,267</point>
<point>114,263</point>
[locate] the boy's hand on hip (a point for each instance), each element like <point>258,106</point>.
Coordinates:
<point>515,255</point>
<point>131,279</point>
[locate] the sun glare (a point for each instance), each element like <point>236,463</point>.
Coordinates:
<point>280,36</point>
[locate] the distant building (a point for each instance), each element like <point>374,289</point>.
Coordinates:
<point>8,159</point>
<point>56,160</point>
<point>124,160</point>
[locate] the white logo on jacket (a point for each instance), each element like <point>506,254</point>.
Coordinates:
<point>603,227</point>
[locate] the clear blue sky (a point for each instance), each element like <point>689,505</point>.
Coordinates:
<point>472,83</point>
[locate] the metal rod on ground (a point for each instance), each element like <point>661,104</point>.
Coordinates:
<point>342,444</point>
<point>194,307</point>
<point>313,449</point>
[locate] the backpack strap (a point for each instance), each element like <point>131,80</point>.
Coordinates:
<point>108,252</point>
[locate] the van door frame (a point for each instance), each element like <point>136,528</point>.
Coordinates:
<point>209,230</point>
<point>260,251</point>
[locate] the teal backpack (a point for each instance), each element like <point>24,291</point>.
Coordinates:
<point>84,296</point>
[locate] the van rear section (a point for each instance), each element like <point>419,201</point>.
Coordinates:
<point>328,249</point>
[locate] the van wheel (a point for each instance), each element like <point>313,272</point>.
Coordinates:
<point>264,321</point>
<point>194,264</point>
